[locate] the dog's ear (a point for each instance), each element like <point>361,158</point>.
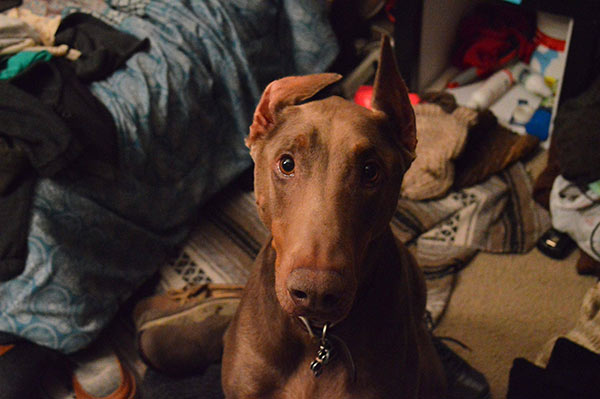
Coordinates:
<point>390,96</point>
<point>281,93</point>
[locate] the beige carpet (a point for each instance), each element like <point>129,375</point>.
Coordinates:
<point>508,306</point>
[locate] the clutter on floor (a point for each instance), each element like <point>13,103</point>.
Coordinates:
<point>511,61</point>
<point>467,192</point>
<point>571,373</point>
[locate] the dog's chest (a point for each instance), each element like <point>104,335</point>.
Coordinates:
<point>333,383</point>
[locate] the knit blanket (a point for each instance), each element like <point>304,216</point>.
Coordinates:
<point>496,216</point>
<point>441,137</point>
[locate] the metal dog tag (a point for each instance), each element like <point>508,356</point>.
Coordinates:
<point>324,354</point>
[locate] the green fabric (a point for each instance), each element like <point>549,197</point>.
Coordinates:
<point>20,61</point>
<point>595,187</point>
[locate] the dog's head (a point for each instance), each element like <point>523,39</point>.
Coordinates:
<point>327,179</point>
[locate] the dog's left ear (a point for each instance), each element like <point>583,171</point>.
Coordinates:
<point>390,96</point>
<point>281,93</point>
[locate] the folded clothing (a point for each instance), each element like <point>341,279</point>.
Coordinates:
<point>441,138</point>
<point>489,146</point>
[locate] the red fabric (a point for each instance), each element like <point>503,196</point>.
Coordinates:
<point>491,37</point>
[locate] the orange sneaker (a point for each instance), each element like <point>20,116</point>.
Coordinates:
<point>99,374</point>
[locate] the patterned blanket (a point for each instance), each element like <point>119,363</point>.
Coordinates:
<point>496,216</point>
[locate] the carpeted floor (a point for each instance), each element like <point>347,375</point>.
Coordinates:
<point>502,307</point>
<point>509,306</point>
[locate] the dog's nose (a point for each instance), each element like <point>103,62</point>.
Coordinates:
<point>315,291</point>
<point>314,301</point>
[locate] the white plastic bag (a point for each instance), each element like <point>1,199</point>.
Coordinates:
<point>577,213</point>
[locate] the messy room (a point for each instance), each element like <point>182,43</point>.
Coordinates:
<point>299,198</point>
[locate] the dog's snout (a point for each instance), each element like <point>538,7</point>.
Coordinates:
<point>315,291</point>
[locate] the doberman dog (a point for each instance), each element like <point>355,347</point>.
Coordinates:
<point>334,307</point>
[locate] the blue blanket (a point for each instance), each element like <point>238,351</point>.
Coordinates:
<point>182,110</point>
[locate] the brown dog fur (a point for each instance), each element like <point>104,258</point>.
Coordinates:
<point>331,241</point>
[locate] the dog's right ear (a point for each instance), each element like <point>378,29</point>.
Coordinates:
<point>281,93</point>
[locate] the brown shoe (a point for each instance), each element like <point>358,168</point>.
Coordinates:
<point>181,332</point>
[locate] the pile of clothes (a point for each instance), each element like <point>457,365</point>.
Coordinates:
<point>570,184</point>
<point>48,116</point>
<point>466,190</point>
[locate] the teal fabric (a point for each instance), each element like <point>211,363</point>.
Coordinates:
<point>21,61</point>
<point>595,187</point>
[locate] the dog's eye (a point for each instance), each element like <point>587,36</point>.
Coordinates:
<point>287,165</point>
<point>370,172</point>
